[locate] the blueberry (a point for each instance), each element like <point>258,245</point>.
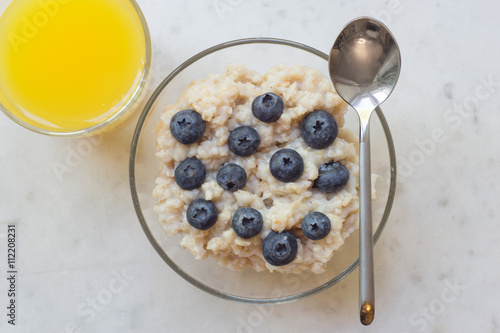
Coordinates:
<point>187,126</point>
<point>286,165</point>
<point>319,129</point>
<point>232,177</point>
<point>247,222</point>
<point>244,141</point>
<point>190,174</point>
<point>279,248</point>
<point>202,214</point>
<point>332,177</point>
<point>316,225</point>
<point>268,107</point>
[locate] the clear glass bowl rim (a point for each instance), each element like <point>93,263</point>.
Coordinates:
<point>135,197</point>
<point>96,128</point>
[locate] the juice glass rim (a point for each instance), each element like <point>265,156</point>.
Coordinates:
<point>119,113</point>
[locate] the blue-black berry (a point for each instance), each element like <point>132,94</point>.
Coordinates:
<point>231,177</point>
<point>187,126</point>
<point>247,222</point>
<point>332,177</point>
<point>268,107</point>
<point>279,248</point>
<point>316,225</point>
<point>319,129</point>
<point>202,214</point>
<point>244,141</point>
<point>286,165</point>
<point>190,174</point>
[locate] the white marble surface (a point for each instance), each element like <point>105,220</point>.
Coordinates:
<point>436,263</point>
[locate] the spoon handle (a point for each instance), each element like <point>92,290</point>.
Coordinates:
<point>366,274</point>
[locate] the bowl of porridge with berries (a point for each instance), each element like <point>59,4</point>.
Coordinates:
<point>251,161</point>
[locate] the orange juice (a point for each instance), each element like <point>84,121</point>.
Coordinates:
<point>67,65</point>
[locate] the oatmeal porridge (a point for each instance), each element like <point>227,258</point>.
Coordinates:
<point>258,170</point>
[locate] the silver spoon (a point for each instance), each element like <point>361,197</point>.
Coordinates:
<point>364,67</point>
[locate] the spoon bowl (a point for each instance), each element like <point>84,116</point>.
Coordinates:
<point>365,63</point>
<point>364,66</point>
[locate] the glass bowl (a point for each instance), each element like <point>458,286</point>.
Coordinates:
<point>247,285</point>
<point>115,115</point>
